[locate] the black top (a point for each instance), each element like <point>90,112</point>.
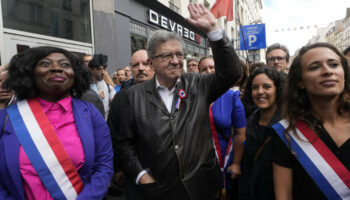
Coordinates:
<point>92,97</point>
<point>256,182</point>
<point>303,185</point>
<point>127,83</point>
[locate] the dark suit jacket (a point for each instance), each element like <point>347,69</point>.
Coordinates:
<point>97,171</point>
<point>177,146</point>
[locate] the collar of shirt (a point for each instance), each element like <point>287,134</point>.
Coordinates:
<point>166,94</point>
<point>163,87</point>
<point>65,104</point>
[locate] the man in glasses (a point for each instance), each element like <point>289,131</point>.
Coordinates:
<point>127,73</point>
<point>163,140</point>
<point>192,65</point>
<point>277,56</point>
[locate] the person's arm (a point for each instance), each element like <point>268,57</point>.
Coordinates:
<point>124,139</point>
<point>282,179</point>
<point>283,162</point>
<point>112,93</point>
<point>4,194</point>
<point>108,79</point>
<point>227,65</point>
<point>238,149</point>
<point>239,124</point>
<point>146,179</point>
<point>114,116</point>
<point>102,169</point>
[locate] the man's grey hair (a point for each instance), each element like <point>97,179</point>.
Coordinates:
<point>159,37</point>
<point>278,46</point>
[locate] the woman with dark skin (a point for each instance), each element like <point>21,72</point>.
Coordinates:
<point>317,98</point>
<point>52,79</point>
<point>264,89</point>
<point>7,96</point>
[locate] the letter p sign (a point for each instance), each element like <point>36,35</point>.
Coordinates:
<point>252,39</point>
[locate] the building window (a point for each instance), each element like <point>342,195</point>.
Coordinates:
<point>150,31</point>
<point>137,43</point>
<point>138,29</point>
<point>68,28</point>
<point>174,5</point>
<point>67,5</point>
<point>84,8</point>
<point>49,17</point>
<point>202,53</point>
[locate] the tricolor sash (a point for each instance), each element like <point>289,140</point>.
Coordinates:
<point>331,176</point>
<point>44,150</point>
<point>223,162</point>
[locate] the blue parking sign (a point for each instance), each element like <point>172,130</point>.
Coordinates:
<point>254,37</point>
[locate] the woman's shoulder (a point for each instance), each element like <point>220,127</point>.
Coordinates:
<point>253,118</point>
<point>79,104</point>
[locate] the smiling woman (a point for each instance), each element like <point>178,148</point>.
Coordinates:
<point>264,89</point>
<point>23,66</point>
<point>54,76</point>
<point>56,146</point>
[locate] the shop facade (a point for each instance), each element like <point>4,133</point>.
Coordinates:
<point>115,28</point>
<point>138,19</point>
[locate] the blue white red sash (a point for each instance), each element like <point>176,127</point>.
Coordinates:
<point>223,162</point>
<point>331,176</point>
<point>44,150</point>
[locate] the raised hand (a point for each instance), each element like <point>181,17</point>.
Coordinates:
<point>201,18</point>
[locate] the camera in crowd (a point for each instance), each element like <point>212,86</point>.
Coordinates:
<point>98,60</point>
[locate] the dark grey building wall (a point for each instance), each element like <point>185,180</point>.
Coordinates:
<point>105,38</point>
<point>122,32</point>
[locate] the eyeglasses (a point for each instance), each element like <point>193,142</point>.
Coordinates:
<point>192,65</point>
<point>278,58</point>
<point>168,56</point>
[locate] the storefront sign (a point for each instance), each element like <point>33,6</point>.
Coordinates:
<point>168,24</point>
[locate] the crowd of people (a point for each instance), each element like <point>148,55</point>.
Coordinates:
<point>225,129</point>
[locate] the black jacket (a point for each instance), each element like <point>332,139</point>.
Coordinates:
<point>174,147</point>
<point>256,182</point>
<point>128,83</point>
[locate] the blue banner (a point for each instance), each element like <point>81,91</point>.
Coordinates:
<point>254,37</point>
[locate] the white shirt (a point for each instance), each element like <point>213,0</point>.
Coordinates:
<point>166,94</point>
<point>108,94</point>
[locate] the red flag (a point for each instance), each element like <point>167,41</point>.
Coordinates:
<point>223,8</point>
